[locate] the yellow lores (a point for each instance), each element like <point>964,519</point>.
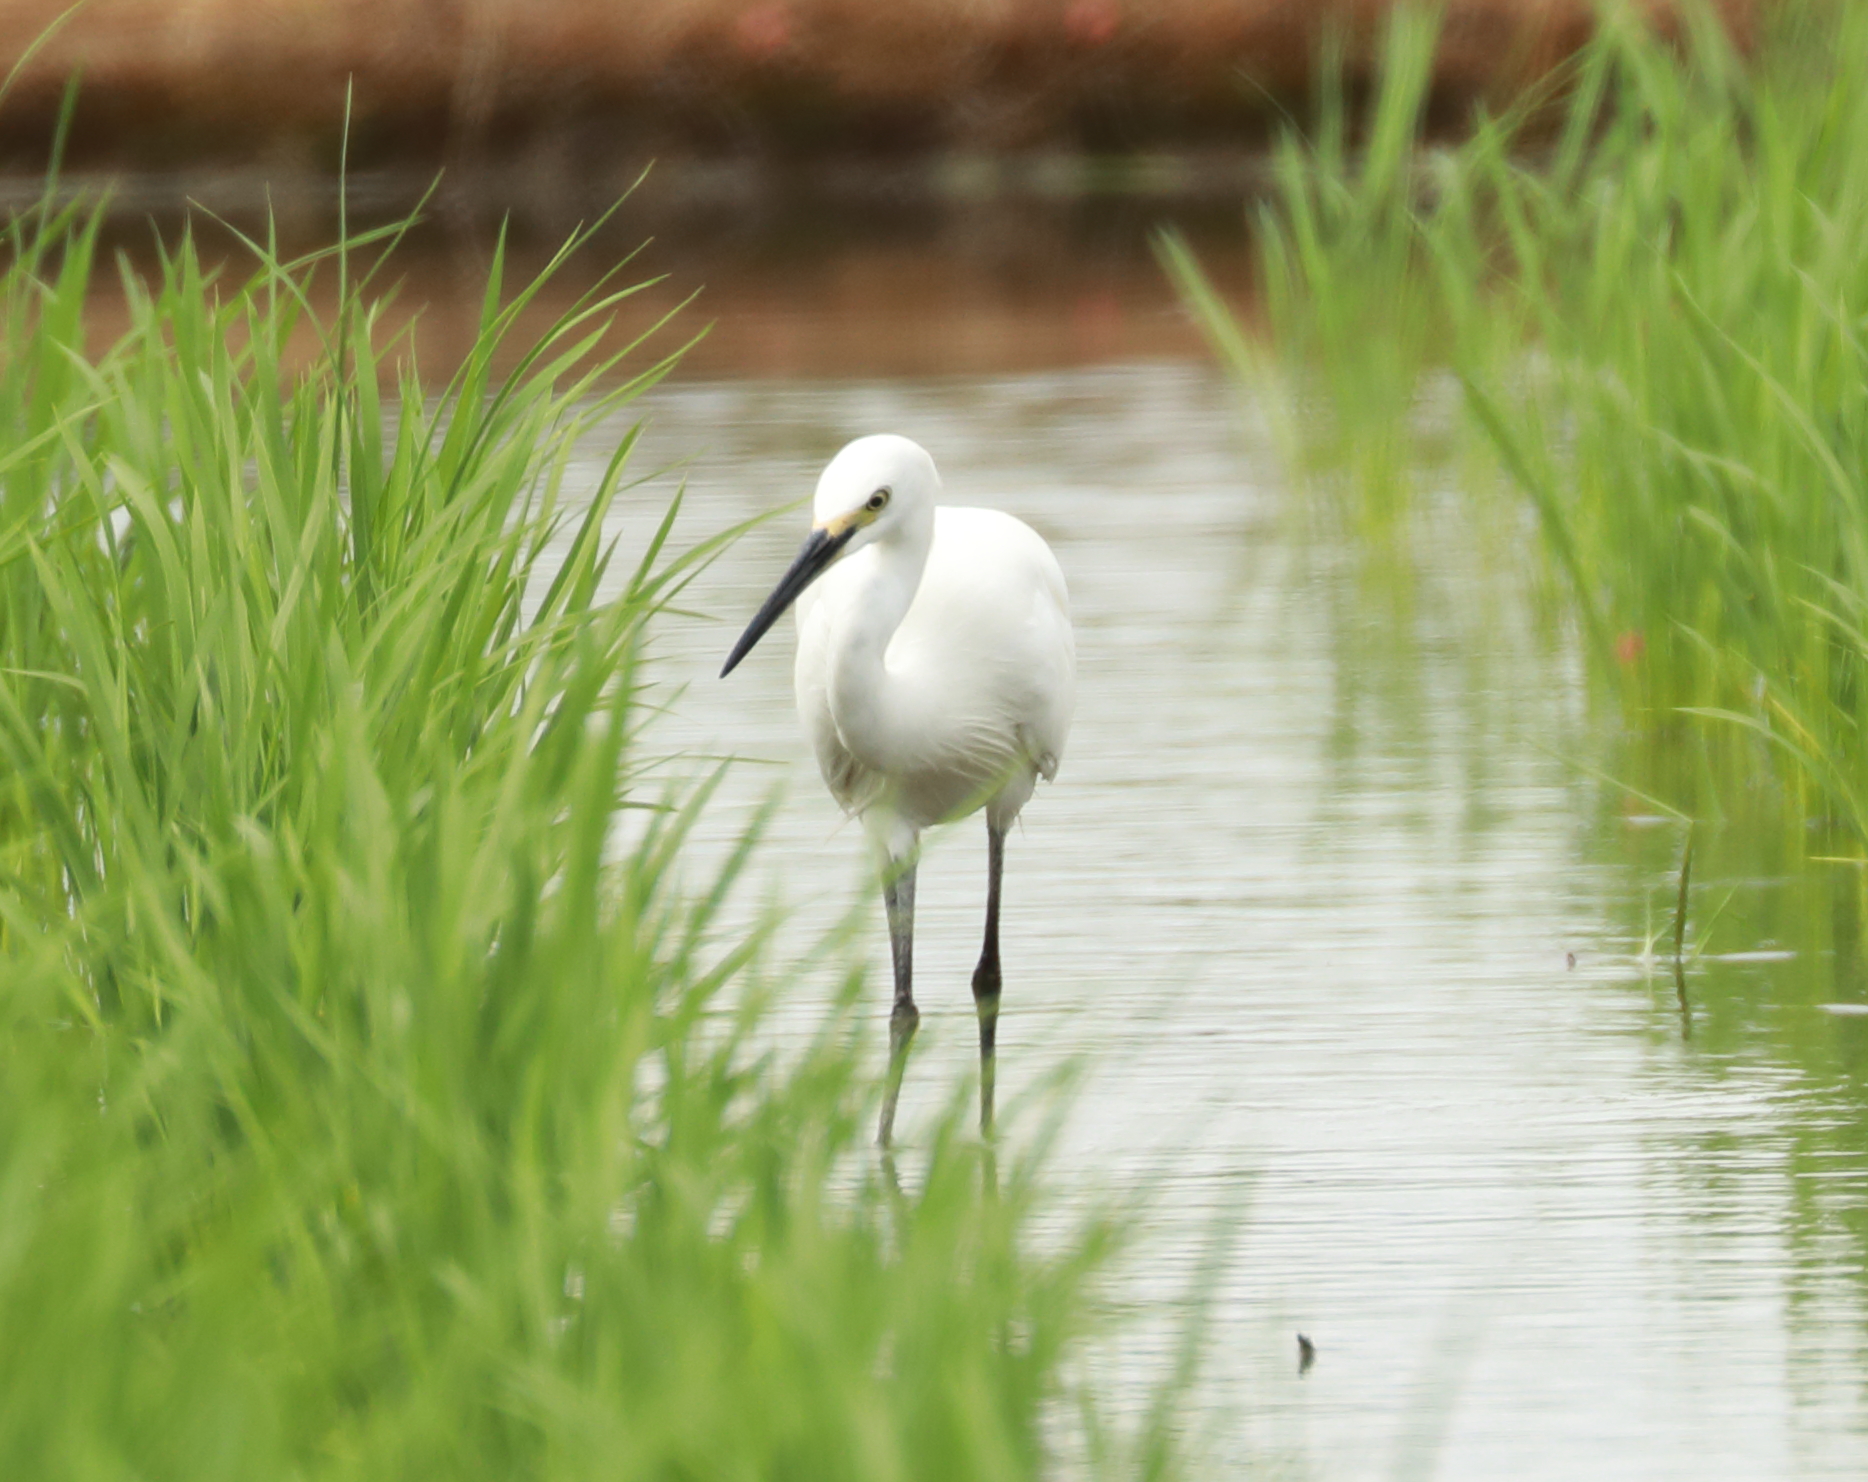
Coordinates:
<point>936,675</point>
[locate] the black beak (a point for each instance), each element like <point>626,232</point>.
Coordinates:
<point>819,550</point>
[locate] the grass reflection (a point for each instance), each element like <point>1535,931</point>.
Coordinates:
<point>1604,358</point>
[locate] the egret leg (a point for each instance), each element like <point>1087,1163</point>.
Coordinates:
<point>986,976</point>
<point>898,896</point>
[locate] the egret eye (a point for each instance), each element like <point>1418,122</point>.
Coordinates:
<point>876,500</point>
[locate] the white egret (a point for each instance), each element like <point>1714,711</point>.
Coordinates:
<point>936,674</point>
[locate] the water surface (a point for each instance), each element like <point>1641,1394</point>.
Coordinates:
<point>1353,950</point>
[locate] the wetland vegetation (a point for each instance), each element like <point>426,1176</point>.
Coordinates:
<point>1612,344</point>
<point>371,1104</point>
<point>402,1070</point>
<point>1638,294</point>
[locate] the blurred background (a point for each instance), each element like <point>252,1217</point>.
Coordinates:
<point>923,186</point>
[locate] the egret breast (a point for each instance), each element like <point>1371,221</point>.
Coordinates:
<point>977,683</point>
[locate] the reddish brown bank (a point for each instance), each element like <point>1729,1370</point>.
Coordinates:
<point>168,83</point>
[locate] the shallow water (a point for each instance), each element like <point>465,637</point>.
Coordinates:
<point>1351,948</point>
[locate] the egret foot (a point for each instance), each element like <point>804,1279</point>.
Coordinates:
<point>891,1176</point>
<point>986,1004</point>
<point>904,1019</point>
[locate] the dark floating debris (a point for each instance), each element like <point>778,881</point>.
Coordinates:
<point>1306,1355</point>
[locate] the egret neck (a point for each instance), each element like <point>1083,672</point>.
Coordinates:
<point>867,707</point>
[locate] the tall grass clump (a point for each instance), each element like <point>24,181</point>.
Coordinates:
<point>367,1109</point>
<point>1647,285</point>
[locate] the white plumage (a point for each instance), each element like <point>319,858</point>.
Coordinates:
<point>974,691</point>
<point>936,674</point>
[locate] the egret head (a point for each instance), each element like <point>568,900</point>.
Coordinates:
<point>876,488</point>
